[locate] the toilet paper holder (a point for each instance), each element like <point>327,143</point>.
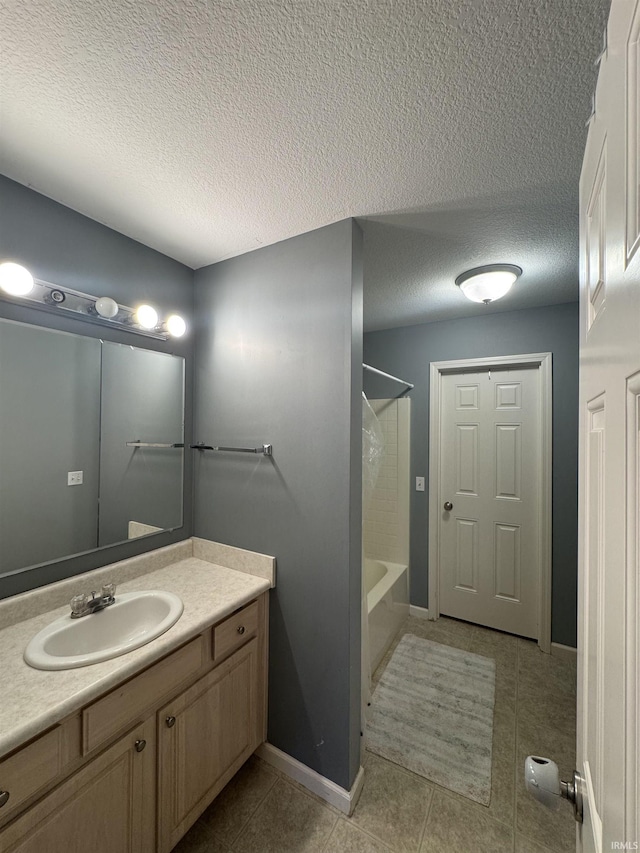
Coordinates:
<point>542,780</point>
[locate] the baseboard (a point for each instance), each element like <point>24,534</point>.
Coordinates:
<point>418,612</point>
<point>314,782</point>
<point>565,652</point>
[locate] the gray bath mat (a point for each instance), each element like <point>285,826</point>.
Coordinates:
<point>432,712</point>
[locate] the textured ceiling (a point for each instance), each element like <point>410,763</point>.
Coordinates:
<point>206,129</point>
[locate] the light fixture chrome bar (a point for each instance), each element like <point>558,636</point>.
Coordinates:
<point>265,449</point>
<point>54,299</point>
<point>153,444</point>
<point>388,376</point>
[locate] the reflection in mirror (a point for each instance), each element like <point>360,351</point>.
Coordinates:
<point>68,481</point>
<point>142,403</point>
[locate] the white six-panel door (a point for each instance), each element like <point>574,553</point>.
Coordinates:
<point>490,474</point>
<point>609,608</point>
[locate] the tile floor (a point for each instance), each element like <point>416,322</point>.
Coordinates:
<point>261,811</point>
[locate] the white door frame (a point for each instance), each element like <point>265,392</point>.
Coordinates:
<point>469,365</point>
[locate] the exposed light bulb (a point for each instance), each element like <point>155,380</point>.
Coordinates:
<point>176,326</point>
<point>106,307</point>
<point>147,317</point>
<point>15,279</point>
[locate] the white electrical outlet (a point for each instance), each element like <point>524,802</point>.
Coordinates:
<point>74,478</point>
<point>419,484</point>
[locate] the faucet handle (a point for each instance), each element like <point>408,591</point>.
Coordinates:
<point>78,604</point>
<point>109,591</point>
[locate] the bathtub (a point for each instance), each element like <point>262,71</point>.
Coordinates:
<point>387,589</point>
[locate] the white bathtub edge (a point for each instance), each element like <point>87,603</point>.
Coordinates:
<point>327,790</point>
<point>418,612</point>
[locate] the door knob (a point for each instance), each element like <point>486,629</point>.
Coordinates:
<point>542,779</point>
<point>448,506</point>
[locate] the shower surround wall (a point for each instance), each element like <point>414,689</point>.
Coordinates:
<point>386,519</point>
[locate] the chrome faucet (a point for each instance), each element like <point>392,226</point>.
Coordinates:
<point>82,605</point>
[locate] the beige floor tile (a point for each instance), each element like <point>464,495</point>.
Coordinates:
<point>200,839</point>
<point>547,741</point>
<point>552,829</point>
<point>527,845</point>
<point>452,826</point>
<point>233,807</point>
<point>287,821</point>
<point>545,709</point>
<point>393,805</point>
<point>502,647</point>
<point>544,675</point>
<point>280,774</point>
<point>504,722</point>
<point>450,632</point>
<point>347,838</point>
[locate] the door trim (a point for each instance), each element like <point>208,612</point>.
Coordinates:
<point>543,361</point>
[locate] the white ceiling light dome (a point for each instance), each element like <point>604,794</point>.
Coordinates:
<point>487,283</point>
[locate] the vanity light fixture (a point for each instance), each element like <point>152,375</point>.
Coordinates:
<point>15,279</point>
<point>176,326</point>
<point>487,283</point>
<point>146,316</point>
<point>17,282</point>
<point>106,307</point>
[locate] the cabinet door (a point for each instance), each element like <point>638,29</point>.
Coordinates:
<point>109,805</point>
<point>204,736</point>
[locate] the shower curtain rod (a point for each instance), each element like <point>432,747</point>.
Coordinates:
<point>387,376</point>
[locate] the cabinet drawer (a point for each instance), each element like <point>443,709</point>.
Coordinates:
<point>119,709</point>
<point>38,765</point>
<point>235,631</point>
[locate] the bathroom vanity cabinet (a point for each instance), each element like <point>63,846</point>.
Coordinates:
<point>133,770</point>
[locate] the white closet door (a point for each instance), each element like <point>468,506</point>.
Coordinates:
<point>490,474</point>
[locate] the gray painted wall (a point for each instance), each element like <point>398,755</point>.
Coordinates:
<point>49,425</point>
<point>62,246</point>
<point>278,360</point>
<point>407,352</point>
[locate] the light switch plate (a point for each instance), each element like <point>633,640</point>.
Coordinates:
<point>419,484</point>
<point>74,478</point>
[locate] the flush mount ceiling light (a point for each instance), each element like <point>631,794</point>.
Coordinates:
<point>17,282</point>
<point>484,284</point>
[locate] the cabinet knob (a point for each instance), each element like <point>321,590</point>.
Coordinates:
<point>4,798</point>
<point>240,629</point>
<point>170,721</point>
<point>140,745</point>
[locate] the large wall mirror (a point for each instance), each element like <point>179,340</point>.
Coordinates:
<point>91,444</point>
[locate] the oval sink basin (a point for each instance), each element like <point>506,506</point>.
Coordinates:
<point>133,620</point>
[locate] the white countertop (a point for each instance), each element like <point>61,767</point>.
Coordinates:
<point>34,700</point>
